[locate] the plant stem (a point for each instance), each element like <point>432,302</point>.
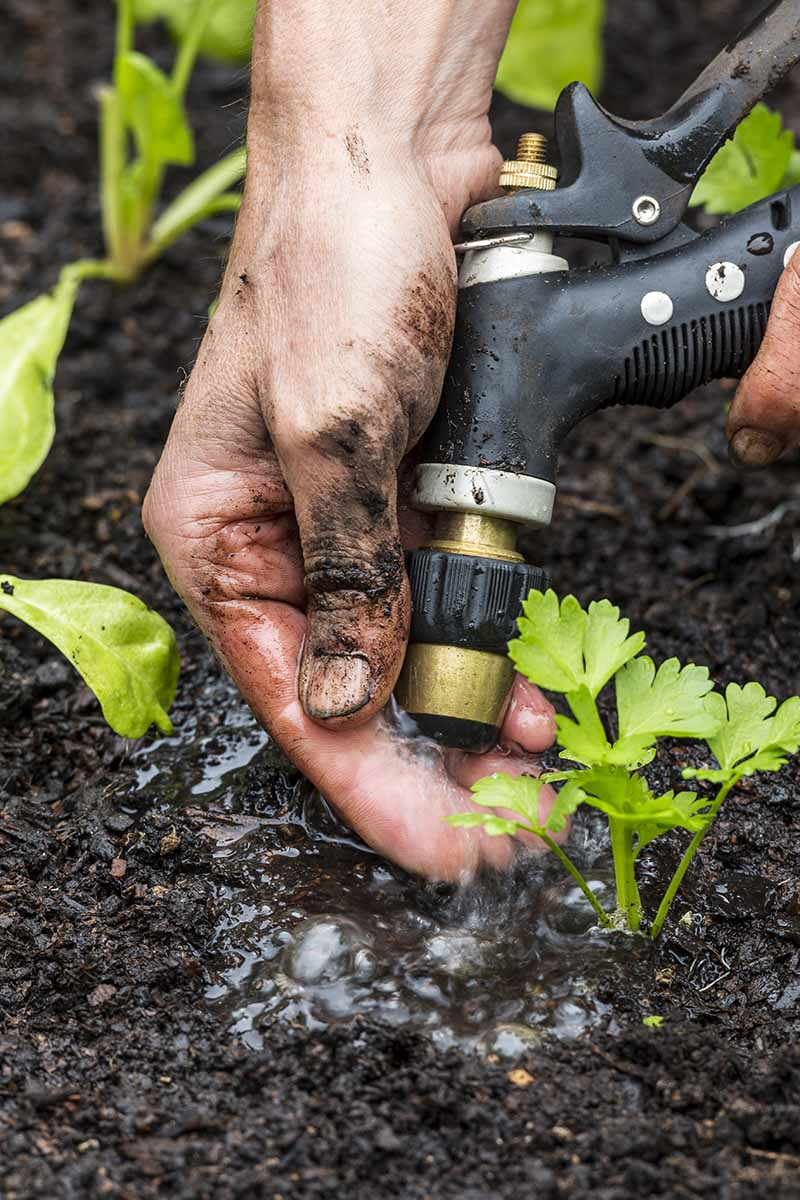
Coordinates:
<point>112,165</point>
<point>627,890</point>
<point>190,43</point>
<point>569,865</point>
<point>91,268</point>
<point>125,27</point>
<point>683,865</point>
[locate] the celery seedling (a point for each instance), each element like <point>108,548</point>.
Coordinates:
<point>566,649</point>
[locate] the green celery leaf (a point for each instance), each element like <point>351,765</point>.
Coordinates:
<point>31,339</point>
<point>494,826</point>
<point>626,797</point>
<point>670,702</point>
<point>567,799</point>
<point>753,737</point>
<point>518,793</point>
<point>227,36</point>
<point>549,650</point>
<point>563,648</point>
<point>784,730</point>
<point>153,111</point>
<point>614,791</point>
<point>671,811</point>
<point>606,644</point>
<point>551,43</point>
<point>584,739</point>
<point>745,716</point>
<point>750,166</point>
<point>126,653</point>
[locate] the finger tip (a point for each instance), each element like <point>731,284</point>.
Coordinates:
<point>750,448</point>
<point>529,730</point>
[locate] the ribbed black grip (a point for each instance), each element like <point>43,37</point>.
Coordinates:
<point>534,355</point>
<point>461,600</point>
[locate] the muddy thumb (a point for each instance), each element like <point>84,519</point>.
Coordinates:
<point>765,416</point>
<point>358,598</point>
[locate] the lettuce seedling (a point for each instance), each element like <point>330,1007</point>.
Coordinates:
<point>758,160</point>
<point>143,130</point>
<point>228,35</point>
<point>550,45</point>
<point>576,652</point>
<point>126,653</point>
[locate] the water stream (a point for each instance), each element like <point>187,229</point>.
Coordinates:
<point>314,928</point>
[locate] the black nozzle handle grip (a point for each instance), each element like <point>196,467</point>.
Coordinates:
<point>534,356</point>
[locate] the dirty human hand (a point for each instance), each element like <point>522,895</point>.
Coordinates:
<point>765,415</point>
<point>275,506</point>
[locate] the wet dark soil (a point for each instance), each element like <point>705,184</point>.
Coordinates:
<point>119,1072</point>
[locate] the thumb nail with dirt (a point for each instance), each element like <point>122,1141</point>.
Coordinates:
<point>336,685</point>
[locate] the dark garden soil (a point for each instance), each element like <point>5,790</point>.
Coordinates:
<point>116,1077</point>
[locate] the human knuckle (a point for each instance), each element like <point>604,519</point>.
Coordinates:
<point>334,567</point>
<point>154,511</point>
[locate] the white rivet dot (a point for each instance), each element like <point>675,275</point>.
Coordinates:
<point>789,255</point>
<point>725,281</point>
<point>657,308</point>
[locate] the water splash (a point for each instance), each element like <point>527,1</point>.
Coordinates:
<point>314,928</point>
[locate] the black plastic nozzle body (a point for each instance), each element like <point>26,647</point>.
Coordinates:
<point>533,356</point>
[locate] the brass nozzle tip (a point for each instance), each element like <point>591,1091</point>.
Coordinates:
<point>532,148</point>
<point>530,169</point>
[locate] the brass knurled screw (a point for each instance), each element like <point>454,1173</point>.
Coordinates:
<point>530,169</point>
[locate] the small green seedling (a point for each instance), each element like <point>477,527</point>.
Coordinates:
<point>576,652</point>
<point>143,130</point>
<point>653,1022</point>
<point>126,653</point>
<point>226,37</point>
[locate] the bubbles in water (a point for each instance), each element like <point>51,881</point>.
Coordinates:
<point>511,1041</point>
<point>324,950</point>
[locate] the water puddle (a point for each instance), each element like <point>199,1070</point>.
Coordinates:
<point>314,928</point>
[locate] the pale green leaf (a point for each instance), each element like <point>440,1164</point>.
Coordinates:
<point>551,43</point>
<point>614,790</point>
<point>500,827</point>
<point>784,729</point>
<point>628,799</point>
<point>584,739</point>
<point>31,339</point>
<point>519,794</point>
<point>549,650</point>
<point>670,811</point>
<point>153,111</point>
<point>126,653</point>
<point>494,826</point>
<point>745,716</point>
<point>751,166</point>
<point>670,702</point>
<point>467,820</point>
<point>567,800</point>
<point>752,737</point>
<point>199,200</point>
<point>606,644</point>
<point>562,648</point>
<point>227,36</point>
